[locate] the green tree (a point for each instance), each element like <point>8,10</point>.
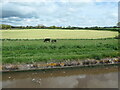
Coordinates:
<point>4,26</point>
<point>40,26</point>
<point>52,27</point>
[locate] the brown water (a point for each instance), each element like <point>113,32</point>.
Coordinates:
<point>106,77</point>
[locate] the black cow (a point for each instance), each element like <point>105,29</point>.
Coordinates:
<point>47,40</point>
<point>53,41</point>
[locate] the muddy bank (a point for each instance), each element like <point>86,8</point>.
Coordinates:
<point>60,65</point>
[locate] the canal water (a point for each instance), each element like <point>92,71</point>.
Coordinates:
<point>105,77</point>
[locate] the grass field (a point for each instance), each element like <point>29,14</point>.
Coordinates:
<point>36,50</point>
<point>56,34</point>
<point>71,45</point>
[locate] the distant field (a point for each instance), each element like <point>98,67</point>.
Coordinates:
<point>56,34</point>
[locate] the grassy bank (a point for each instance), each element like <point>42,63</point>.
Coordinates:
<point>27,51</point>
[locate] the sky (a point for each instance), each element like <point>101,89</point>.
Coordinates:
<point>82,13</point>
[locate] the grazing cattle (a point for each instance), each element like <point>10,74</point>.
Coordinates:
<point>53,41</point>
<point>47,40</point>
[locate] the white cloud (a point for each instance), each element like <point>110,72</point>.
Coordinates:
<point>60,13</point>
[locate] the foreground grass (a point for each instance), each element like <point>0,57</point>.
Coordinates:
<point>56,34</point>
<point>37,51</point>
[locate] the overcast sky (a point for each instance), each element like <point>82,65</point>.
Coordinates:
<point>63,13</point>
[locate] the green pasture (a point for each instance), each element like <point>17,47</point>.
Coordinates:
<point>29,51</point>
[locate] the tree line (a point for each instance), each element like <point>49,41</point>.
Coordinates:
<point>114,28</point>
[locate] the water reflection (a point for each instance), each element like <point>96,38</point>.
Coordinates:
<point>77,78</point>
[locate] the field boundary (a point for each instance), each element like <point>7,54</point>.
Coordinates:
<point>51,38</point>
